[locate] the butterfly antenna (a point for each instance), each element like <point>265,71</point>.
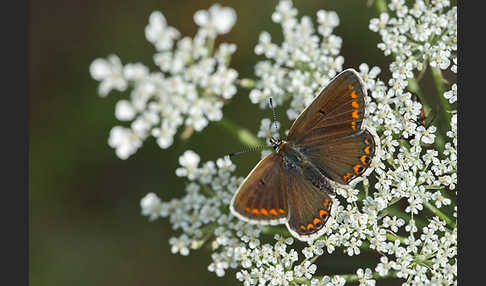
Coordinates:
<point>250,149</point>
<point>274,114</point>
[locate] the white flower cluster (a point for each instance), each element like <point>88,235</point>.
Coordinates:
<point>429,259</point>
<point>385,212</point>
<point>304,62</point>
<point>191,87</point>
<point>420,35</point>
<point>203,217</point>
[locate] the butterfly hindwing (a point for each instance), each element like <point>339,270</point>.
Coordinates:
<point>341,159</point>
<point>310,208</point>
<point>337,111</point>
<point>261,197</point>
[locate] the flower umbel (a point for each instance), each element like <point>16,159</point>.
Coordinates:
<point>191,87</point>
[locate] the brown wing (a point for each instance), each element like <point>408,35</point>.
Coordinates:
<point>262,197</point>
<point>338,109</point>
<point>309,208</point>
<point>341,159</point>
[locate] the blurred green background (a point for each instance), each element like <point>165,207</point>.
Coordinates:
<point>85,222</point>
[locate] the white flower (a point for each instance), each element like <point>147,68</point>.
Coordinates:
<point>189,161</point>
<point>384,266</point>
<point>451,95</point>
<point>180,245</point>
<point>364,277</point>
<point>306,270</point>
<point>327,22</point>
<point>151,206</point>
<point>159,33</point>
<point>428,135</point>
<point>216,20</point>
<point>124,110</point>
<point>125,141</point>
<point>110,73</point>
<point>245,277</point>
<point>285,14</point>
<point>315,248</point>
<point>135,72</point>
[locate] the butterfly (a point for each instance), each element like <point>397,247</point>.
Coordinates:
<point>327,141</point>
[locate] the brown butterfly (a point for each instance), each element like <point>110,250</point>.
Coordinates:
<point>326,142</point>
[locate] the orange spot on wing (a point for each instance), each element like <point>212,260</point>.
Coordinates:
<point>255,211</point>
<point>355,114</point>
<point>350,86</point>
<point>247,209</point>
<point>354,104</point>
<point>323,213</point>
<point>367,149</point>
<point>353,125</point>
<point>302,227</point>
<point>281,210</point>
<point>264,212</point>
<point>363,159</point>
<point>346,177</point>
<point>357,168</point>
<point>316,221</point>
<point>354,95</point>
<point>326,202</point>
<point>310,226</point>
<point>367,142</point>
<point>273,211</point>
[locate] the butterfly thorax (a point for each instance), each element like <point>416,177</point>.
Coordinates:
<point>296,161</point>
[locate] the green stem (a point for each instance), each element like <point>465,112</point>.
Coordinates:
<point>440,214</point>
<point>443,116</point>
<point>247,83</point>
<point>381,6</point>
<point>394,237</point>
<point>240,133</point>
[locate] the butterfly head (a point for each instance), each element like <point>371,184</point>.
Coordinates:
<point>276,143</point>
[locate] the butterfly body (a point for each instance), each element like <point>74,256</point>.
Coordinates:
<point>326,142</point>
<point>295,160</point>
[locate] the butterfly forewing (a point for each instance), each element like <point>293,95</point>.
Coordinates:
<point>261,197</point>
<point>337,111</point>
